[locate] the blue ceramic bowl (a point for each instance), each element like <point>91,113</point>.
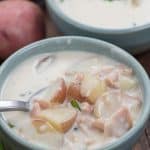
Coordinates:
<point>134,40</point>
<point>71,43</point>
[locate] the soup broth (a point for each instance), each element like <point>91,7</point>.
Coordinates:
<point>89,101</point>
<point>113,14</point>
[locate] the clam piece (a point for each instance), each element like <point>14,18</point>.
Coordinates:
<point>92,88</point>
<point>107,105</point>
<point>119,123</point>
<point>44,63</point>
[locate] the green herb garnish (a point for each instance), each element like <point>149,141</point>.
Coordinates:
<point>61,0</point>
<point>10,125</point>
<point>75,104</point>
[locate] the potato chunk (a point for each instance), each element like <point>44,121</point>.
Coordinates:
<point>86,87</point>
<point>60,94</point>
<point>61,118</point>
<point>74,92</point>
<point>126,83</point>
<point>74,88</point>
<point>107,105</point>
<point>55,93</point>
<point>92,88</point>
<point>119,123</point>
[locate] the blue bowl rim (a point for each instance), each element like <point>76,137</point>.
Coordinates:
<point>129,135</point>
<point>97,30</point>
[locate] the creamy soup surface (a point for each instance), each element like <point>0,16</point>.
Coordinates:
<point>113,14</point>
<point>89,101</point>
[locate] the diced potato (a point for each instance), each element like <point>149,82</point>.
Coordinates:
<point>97,91</point>
<point>119,123</point>
<point>106,105</point>
<point>92,88</point>
<point>60,94</point>
<point>74,88</point>
<point>60,118</point>
<point>55,93</point>
<point>127,82</point>
<point>86,88</point>
<point>74,92</point>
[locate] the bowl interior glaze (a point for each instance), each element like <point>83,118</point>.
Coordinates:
<point>71,43</point>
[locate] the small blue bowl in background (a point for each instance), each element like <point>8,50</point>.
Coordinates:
<point>134,40</point>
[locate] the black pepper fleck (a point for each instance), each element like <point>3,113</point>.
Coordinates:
<point>75,128</point>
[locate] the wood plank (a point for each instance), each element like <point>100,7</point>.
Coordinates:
<point>144,59</point>
<point>144,141</point>
<point>147,132</point>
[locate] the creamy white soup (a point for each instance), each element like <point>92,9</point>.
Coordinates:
<point>113,14</point>
<point>88,101</point>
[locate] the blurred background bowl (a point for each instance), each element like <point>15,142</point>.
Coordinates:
<point>134,40</point>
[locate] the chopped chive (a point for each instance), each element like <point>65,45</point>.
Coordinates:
<point>75,104</point>
<point>10,125</point>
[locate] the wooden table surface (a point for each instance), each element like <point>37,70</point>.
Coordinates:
<point>144,59</point>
